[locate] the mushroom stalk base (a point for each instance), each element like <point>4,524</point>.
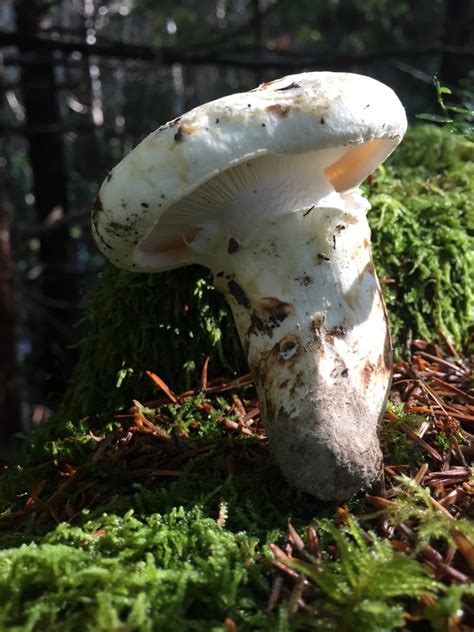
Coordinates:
<point>311,318</point>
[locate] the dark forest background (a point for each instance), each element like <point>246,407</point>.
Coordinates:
<point>83,81</point>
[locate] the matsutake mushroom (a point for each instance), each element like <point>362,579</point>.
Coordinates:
<point>262,188</point>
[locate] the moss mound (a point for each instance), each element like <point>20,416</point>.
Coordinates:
<point>422,222</point>
<point>423,226</point>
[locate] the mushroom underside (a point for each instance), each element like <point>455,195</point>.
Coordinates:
<point>241,198</point>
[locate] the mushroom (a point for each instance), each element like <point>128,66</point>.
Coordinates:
<point>262,188</point>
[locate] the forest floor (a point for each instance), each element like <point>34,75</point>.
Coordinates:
<point>173,516</point>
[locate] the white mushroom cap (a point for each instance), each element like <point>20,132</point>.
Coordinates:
<point>187,182</point>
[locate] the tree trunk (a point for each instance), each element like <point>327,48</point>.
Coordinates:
<point>9,405</point>
<point>46,152</point>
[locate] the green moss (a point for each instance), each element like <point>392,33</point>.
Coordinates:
<point>184,571</point>
<point>144,564</point>
<point>179,571</point>
<point>215,467</point>
<point>145,552</point>
<point>446,608</point>
<point>397,446</point>
<point>423,224</point>
<point>363,589</point>
<point>414,502</point>
<point>166,323</point>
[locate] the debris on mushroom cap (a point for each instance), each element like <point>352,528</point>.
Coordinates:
<point>321,132</point>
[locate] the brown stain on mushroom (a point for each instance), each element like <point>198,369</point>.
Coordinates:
<point>367,372</point>
<point>269,365</point>
<point>339,331</point>
<point>387,345</point>
<point>96,209</point>
<point>382,366</point>
<point>299,379</point>
<point>317,329</point>
<point>232,246</point>
<point>352,298</point>
<point>267,314</point>
<point>323,336</point>
<point>183,130</point>
<point>101,239</point>
<point>288,348</point>
<point>298,382</point>
<point>271,307</point>
<point>238,293</point>
<point>257,325</point>
<point>278,109</point>
<point>116,227</point>
<point>267,84</point>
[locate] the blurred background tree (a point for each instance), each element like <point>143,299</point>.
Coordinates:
<point>83,81</point>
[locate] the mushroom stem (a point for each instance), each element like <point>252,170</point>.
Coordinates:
<point>311,317</point>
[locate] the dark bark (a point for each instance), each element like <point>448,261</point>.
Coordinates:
<point>88,150</point>
<point>9,402</point>
<point>58,290</point>
<point>459,29</point>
